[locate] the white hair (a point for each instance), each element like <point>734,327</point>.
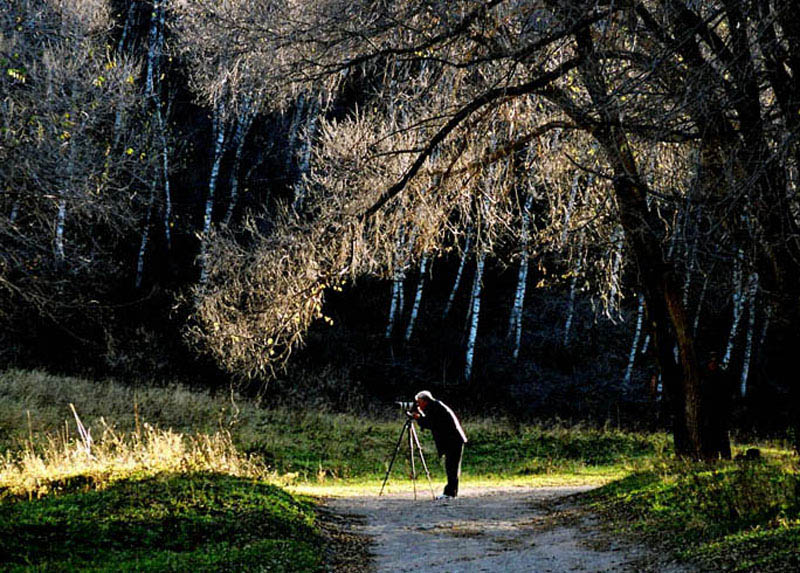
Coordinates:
<point>425,395</point>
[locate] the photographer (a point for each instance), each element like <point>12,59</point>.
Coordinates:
<point>437,417</point>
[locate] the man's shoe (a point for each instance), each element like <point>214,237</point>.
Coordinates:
<point>443,497</point>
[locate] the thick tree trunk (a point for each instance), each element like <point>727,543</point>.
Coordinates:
<point>663,296</point>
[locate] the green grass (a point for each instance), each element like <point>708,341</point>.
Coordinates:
<point>735,516</point>
<point>182,480</point>
<point>171,522</point>
<point>317,448</point>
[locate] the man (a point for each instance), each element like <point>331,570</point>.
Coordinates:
<point>448,434</point>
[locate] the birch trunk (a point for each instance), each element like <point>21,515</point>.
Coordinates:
<point>305,157</point>
<point>423,266</point>
<point>126,27</point>
<point>398,295</point>
<point>645,344</point>
<point>515,319</point>
<point>738,303</point>
<point>459,273</point>
<point>243,124</point>
<point>60,222</point>
<point>394,304</point>
<point>294,127</point>
<point>153,49</point>
<point>474,314</point>
<point>573,291</point>
<point>515,324</point>
<point>752,293</point>
<point>61,217</point>
<point>219,148</point>
<point>145,235</point>
<point>626,380</point>
<point>165,176</point>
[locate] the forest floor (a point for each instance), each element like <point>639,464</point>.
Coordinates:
<point>510,529</point>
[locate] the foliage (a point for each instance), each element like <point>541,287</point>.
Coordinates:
<point>75,153</point>
<point>741,516</point>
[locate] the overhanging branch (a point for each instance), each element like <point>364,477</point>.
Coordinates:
<point>463,113</point>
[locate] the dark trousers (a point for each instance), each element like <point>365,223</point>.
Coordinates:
<point>452,465</point>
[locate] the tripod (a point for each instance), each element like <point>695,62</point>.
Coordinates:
<point>413,442</point>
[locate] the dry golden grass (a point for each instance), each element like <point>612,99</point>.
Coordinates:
<point>40,469</point>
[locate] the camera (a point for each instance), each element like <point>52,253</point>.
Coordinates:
<point>408,407</point>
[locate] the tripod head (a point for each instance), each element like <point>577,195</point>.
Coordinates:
<point>408,408</point>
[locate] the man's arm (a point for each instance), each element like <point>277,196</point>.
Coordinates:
<point>421,419</point>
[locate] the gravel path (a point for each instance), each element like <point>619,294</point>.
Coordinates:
<point>488,529</point>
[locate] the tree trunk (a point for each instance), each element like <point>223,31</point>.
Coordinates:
<point>515,318</point>
<point>154,40</point>
<point>243,123</point>
<point>417,298</point>
<point>626,380</point>
<point>459,272</point>
<point>738,304</point>
<point>474,314</point>
<point>304,165</point>
<point>573,292</point>
<point>752,293</point>
<point>219,149</point>
<point>145,235</point>
<point>663,296</point>
<point>162,132</point>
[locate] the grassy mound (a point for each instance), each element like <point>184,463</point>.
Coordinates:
<point>167,522</point>
<point>738,516</point>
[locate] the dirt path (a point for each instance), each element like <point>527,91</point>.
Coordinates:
<point>487,529</point>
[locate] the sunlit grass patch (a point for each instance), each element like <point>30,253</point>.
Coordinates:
<point>736,516</point>
<point>57,462</point>
<point>177,522</point>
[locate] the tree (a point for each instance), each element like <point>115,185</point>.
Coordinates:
<point>75,159</point>
<point>655,108</point>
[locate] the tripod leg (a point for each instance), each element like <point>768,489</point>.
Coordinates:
<point>394,455</point>
<point>411,457</point>
<point>413,432</point>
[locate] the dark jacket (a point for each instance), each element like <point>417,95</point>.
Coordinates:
<point>444,425</point>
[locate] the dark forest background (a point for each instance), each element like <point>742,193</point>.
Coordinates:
<point>97,266</point>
